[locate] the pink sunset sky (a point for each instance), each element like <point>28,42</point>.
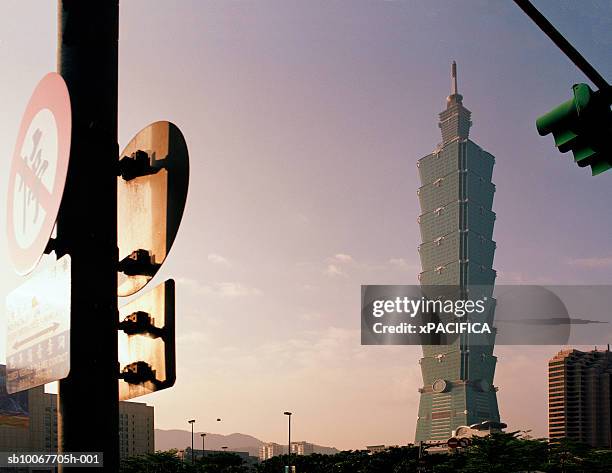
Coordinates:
<point>304,121</point>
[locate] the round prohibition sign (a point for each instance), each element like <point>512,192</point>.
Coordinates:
<point>38,172</point>
<point>453,442</point>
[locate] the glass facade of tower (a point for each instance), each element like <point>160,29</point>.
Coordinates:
<point>457,249</point>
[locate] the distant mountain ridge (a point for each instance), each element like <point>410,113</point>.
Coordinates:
<point>180,439</point>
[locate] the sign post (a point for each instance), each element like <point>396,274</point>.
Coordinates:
<point>87,229</point>
<point>118,215</point>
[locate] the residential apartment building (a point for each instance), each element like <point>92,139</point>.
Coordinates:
<point>271,449</point>
<point>580,397</point>
<point>301,448</point>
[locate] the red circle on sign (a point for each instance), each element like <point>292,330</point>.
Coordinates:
<point>453,442</point>
<point>36,184</point>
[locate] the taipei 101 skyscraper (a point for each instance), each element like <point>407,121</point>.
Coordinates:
<point>456,223</point>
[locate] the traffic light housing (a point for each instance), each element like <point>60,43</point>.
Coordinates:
<point>583,125</point>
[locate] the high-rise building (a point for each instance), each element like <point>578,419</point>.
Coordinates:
<point>456,223</point>
<point>136,426</point>
<point>302,448</point>
<point>580,397</point>
<point>136,429</point>
<point>28,422</point>
<point>271,449</point>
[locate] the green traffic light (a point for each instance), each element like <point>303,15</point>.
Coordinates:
<point>583,125</point>
<point>557,117</point>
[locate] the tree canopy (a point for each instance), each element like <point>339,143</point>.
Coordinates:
<point>511,452</point>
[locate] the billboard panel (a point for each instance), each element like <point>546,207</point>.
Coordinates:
<point>13,407</point>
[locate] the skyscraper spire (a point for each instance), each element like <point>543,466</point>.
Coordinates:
<point>455,121</point>
<point>455,97</point>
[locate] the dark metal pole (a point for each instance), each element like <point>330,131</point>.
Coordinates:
<point>88,401</point>
<point>563,44</point>
<point>287,413</point>
<point>51,417</point>
<point>192,455</point>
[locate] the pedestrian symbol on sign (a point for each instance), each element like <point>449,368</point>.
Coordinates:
<point>38,172</point>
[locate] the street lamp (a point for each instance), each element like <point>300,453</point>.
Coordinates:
<point>287,413</point>
<point>192,421</point>
<point>204,435</point>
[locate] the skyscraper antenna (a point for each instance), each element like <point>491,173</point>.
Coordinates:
<point>454,78</point>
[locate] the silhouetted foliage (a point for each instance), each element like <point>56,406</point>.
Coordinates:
<point>157,462</point>
<point>169,462</point>
<point>496,453</point>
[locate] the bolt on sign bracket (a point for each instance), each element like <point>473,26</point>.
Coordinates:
<point>151,194</point>
<point>147,359</point>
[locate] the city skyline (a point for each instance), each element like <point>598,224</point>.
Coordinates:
<point>304,122</point>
